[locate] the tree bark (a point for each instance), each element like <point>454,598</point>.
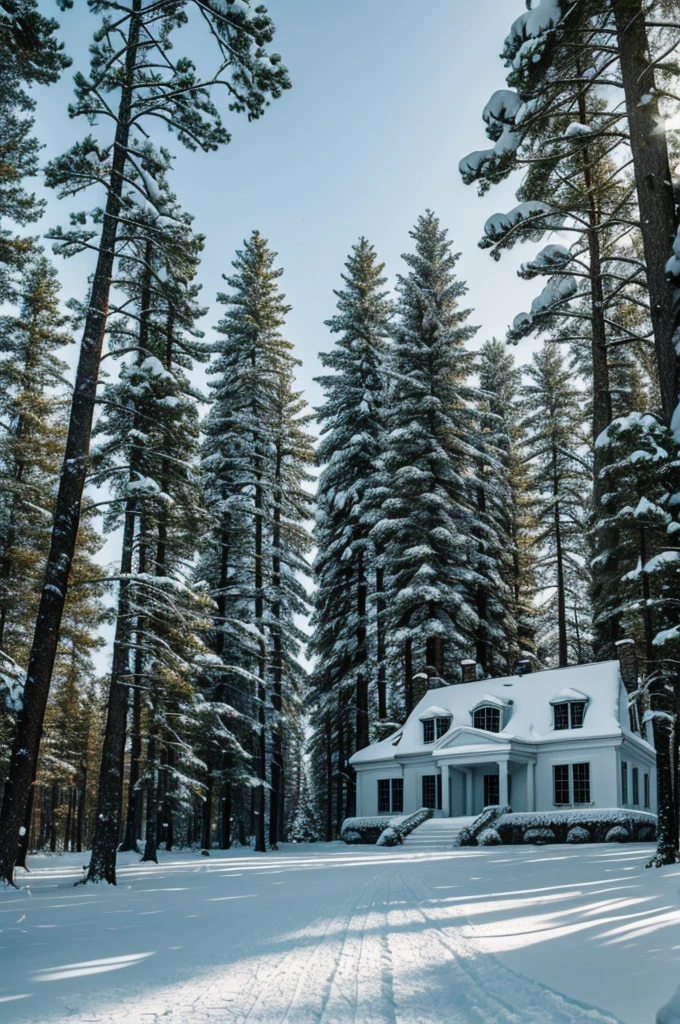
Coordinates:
<point>658,220</point>
<point>381,609</point>
<point>276,796</point>
<point>362,738</point>
<point>151,838</point>
<point>562,643</point>
<point>25,750</point>
<point>107,826</point>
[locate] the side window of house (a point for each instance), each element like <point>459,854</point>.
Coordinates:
<point>646,789</point>
<point>390,796</point>
<point>428,730</point>
<point>488,719</point>
<point>636,787</point>
<point>624,783</point>
<point>571,784</point>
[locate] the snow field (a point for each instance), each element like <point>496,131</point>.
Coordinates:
<point>328,934</point>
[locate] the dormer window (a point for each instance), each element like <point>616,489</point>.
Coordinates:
<point>569,709</point>
<point>435,728</point>
<point>487,718</point>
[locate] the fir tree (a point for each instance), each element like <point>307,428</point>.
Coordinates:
<point>347,566</point>
<point>29,55</point>
<point>32,398</point>
<point>430,517</point>
<point>134,62</point>
<point>253,470</point>
<point>507,498</point>
<point>556,453</point>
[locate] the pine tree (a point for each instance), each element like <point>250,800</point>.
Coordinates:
<point>151,443</point>
<point>348,570</point>
<point>253,469</point>
<point>29,55</point>
<point>32,396</point>
<point>430,516</point>
<point>133,61</point>
<point>557,454</point>
<point>508,499</point>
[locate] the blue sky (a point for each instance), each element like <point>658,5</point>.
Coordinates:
<point>387,97</point>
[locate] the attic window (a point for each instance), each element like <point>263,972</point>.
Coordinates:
<point>569,714</point>
<point>487,718</point>
<point>434,728</point>
<point>569,709</point>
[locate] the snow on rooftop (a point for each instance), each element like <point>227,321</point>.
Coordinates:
<point>434,712</point>
<point>568,693</point>
<point>529,719</point>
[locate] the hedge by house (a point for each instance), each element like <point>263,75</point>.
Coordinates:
<point>592,826</point>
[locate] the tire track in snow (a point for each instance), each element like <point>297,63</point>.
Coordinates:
<point>480,988</point>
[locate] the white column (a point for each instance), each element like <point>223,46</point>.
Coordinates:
<point>468,792</point>
<point>446,806</point>
<point>502,783</point>
<point>531,787</point>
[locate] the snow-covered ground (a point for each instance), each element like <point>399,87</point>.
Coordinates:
<point>329,934</point>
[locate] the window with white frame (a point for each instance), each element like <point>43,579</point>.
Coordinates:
<point>390,796</point>
<point>435,728</point>
<point>571,784</point>
<point>569,714</point>
<point>636,787</point>
<point>487,718</point>
<point>624,783</point>
<point>442,726</point>
<point>428,730</point>
<point>645,782</point>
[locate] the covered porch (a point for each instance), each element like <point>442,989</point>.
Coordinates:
<point>478,774</point>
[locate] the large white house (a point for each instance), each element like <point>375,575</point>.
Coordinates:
<point>556,739</point>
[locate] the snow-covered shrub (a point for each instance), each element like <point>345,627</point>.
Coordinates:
<point>646,834</point>
<point>539,836</point>
<point>578,835</point>
<point>389,837</point>
<point>489,837</point>
<point>513,827</point>
<point>351,836</point>
<point>469,836</point>
<point>618,834</point>
<point>370,828</point>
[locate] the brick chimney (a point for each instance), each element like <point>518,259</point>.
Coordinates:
<point>625,650</point>
<point>469,668</point>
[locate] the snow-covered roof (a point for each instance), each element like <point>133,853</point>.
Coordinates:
<point>434,712</point>
<point>528,716</point>
<point>566,694</point>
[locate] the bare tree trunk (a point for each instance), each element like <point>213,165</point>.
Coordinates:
<point>107,826</point>
<point>151,838</point>
<point>653,179</point>
<point>362,737</point>
<point>132,815</point>
<point>276,797</point>
<point>24,758</point>
<point>380,643</point>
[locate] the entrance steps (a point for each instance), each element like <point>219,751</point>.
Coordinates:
<point>435,835</point>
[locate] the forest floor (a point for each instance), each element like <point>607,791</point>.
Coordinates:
<point>329,934</point>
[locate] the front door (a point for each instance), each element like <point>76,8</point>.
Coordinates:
<point>491,791</point>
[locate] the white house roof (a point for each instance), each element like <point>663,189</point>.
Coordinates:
<point>566,694</point>
<point>527,716</point>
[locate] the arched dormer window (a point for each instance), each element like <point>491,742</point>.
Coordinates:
<point>487,718</point>
<point>488,714</point>
<point>569,709</point>
<point>436,722</point>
